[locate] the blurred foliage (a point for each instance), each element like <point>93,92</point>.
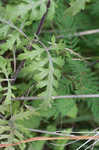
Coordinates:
<point>56,62</point>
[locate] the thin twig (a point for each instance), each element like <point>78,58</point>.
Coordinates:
<point>94,144</point>
<point>43,18</point>
<point>88,32</point>
<point>6,80</point>
<point>86,142</point>
<point>17,72</point>
<point>63,133</point>
<point>52,138</point>
<point>88,139</point>
<point>57,97</point>
<point>46,132</point>
<point>14,59</point>
<point>76,54</point>
<point>64,145</point>
<point>14,27</point>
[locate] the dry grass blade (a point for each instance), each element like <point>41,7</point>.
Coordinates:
<point>52,138</point>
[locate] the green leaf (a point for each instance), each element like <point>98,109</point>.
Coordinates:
<point>51,11</point>
<point>76,7</point>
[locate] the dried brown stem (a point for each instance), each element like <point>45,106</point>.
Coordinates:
<point>52,138</point>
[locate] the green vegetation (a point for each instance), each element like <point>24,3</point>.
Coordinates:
<point>41,55</point>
